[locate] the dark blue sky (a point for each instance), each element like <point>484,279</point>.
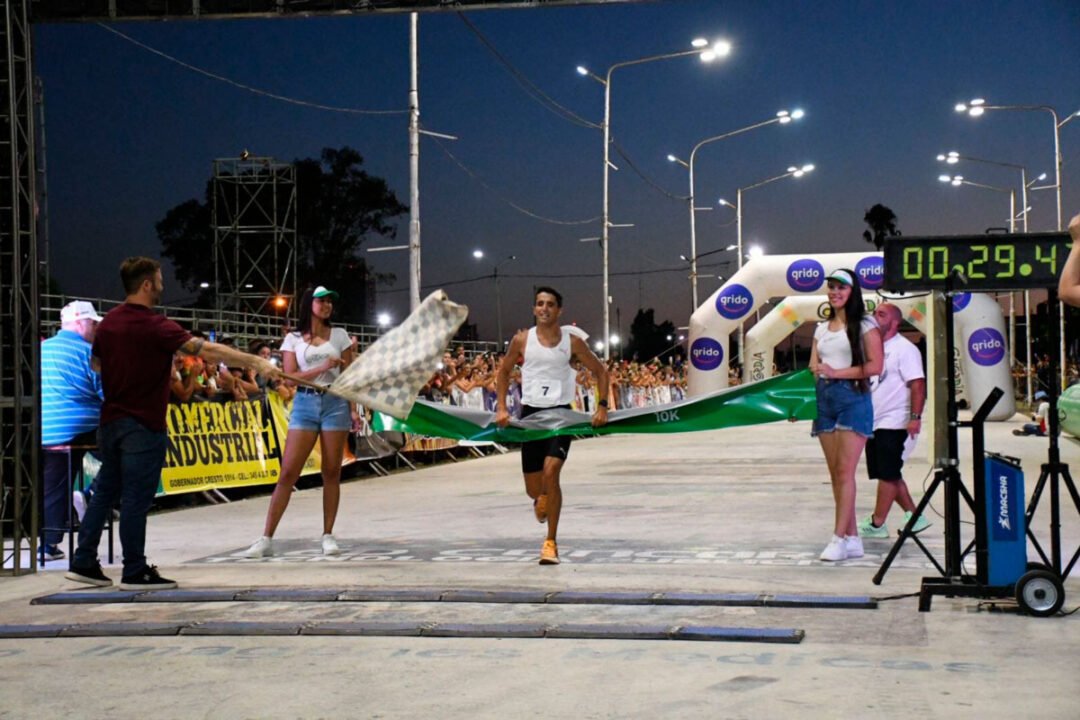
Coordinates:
<point>130,135</point>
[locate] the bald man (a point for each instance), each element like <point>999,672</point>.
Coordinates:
<point>898,395</point>
<point>1069,283</point>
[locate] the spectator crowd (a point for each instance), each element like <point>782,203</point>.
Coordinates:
<point>469,382</point>
<point>195,380</point>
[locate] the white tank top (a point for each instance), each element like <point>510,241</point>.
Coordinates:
<point>547,379</point>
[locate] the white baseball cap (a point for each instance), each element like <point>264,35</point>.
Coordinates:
<point>321,292</point>
<point>79,310</point>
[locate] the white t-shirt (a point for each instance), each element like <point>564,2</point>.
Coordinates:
<point>891,395</point>
<point>833,348</point>
<point>309,356</point>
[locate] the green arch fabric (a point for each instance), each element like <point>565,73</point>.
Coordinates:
<point>786,397</point>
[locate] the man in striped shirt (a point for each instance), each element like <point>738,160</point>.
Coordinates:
<point>71,398</point>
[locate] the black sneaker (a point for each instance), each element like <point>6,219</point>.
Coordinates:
<point>51,552</point>
<point>148,579</point>
<point>90,575</point>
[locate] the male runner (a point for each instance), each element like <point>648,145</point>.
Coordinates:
<point>547,381</point>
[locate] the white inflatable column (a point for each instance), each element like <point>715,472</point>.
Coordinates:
<point>984,356</point>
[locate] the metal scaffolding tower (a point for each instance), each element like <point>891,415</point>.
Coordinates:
<point>19,331</point>
<point>254,219</point>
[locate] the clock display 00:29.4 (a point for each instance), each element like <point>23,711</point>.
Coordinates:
<point>987,262</point>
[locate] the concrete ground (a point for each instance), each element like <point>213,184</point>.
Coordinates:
<point>733,511</point>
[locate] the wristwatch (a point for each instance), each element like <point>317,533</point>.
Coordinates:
<point>916,416</point>
<point>602,403</point>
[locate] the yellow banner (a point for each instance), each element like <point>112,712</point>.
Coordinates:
<point>230,444</point>
<point>213,445</point>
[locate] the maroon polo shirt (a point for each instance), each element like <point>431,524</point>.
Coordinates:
<point>136,347</point>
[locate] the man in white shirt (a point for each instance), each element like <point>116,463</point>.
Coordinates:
<point>548,381</point>
<point>898,395</point>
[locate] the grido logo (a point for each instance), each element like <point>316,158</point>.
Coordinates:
<point>986,346</point>
<point>960,301</point>
<point>734,301</point>
<point>706,354</point>
<point>871,272</point>
<point>805,275</point>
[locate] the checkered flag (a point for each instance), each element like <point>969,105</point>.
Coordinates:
<point>389,374</point>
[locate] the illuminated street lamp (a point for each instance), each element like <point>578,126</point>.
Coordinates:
<point>952,158</point>
<point>737,206</point>
<point>701,48</point>
<point>479,255</point>
<point>783,117</point>
<point>978,107</point>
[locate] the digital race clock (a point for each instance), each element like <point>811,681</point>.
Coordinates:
<point>987,262</point>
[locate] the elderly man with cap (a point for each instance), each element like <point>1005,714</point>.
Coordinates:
<point>71,398</point>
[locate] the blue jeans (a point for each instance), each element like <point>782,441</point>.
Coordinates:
<point>131,461</point>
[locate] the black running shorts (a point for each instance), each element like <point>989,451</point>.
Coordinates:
<point>885,454</point>
<point>534,451</point>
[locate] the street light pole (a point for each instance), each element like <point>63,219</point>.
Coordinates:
<point>953,158</point>
<point>796,172</point>
<point>783,117</point>
<point>707,54</point>
<point>479,255</point>
<point>977,107</point>
<point>957,181</point>
<point>414,167</point>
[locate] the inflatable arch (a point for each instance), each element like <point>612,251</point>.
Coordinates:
<point>978,322</point>
<point>794,311</point>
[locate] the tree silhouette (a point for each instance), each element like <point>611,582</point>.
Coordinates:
<point>647,338</point>
<point>882,222</point>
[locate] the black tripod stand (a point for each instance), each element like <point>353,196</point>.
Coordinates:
<point>1053,471</point>
<point>949,474</point>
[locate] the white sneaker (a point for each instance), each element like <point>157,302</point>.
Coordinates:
<point>853,546</point>
<point>78,499</point>
<point>263,547</point>
<point>329,545</point>
<point>835,551</point>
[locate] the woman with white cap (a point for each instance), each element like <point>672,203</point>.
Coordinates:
<point>317,352</point>
<point>847,351</point>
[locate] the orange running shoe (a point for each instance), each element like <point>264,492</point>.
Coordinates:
<point>549,554</point>
<point>540,508</point>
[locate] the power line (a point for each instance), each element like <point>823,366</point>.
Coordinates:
<point>560,276</point>
<point>248,88</point>
<point>643,176</point>
<point>529,86</point>
<point>503,197</point>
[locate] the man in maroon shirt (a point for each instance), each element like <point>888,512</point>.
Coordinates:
<point>135,346</point>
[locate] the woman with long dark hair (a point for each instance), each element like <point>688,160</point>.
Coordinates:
<point>315,351</point>
<point>846,353</point>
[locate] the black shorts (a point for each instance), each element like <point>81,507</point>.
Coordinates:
<point>885,454</point>
<point>534,451</point>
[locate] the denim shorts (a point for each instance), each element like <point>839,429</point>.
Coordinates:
<point>317,411</point>
<point>840,406</point>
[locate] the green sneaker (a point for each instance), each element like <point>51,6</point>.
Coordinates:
<point>867,529</point>
<point>921,524</point>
